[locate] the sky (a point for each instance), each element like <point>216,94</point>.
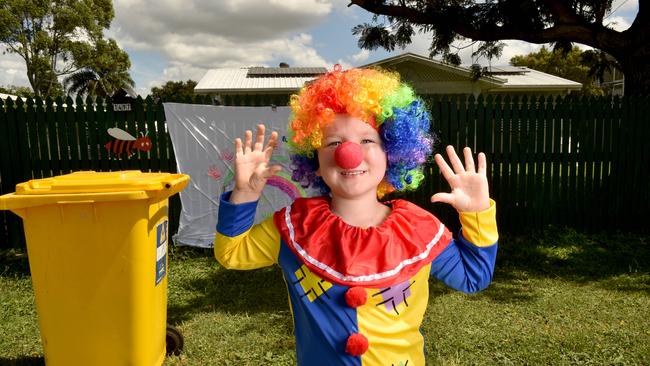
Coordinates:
<point>181,40</point>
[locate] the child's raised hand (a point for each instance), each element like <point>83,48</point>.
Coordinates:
<point>252,167</point>
<point>469,187</point>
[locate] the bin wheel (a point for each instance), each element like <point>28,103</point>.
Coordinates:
<point>174,341</point>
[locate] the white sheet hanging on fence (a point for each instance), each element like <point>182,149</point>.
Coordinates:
<point>202,137</point>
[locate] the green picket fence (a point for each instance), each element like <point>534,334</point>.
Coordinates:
<point>38,139</point>
<point>552,161</point>
<point>569,161</point>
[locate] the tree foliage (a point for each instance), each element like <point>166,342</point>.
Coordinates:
<point>52,36</point>
<point>174,89</point>
<point>537,21</point>
<point>569,65</point>
<point>105,69</point>
<point>19,91</point>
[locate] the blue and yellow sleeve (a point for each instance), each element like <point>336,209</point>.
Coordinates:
<point>238,243</point>
<point>467,263</point>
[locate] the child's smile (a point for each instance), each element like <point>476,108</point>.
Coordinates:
<point>352,173</point>
<point>352,161</point>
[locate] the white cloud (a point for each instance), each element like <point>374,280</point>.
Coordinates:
<point>175,71</point>
<point>14,71</point>
<point>151,22</point>
<point>191,61</point>
<point>360,57</point>
<point>196,35</point>
<point>514,48</point>
<point>420,44</point>
<point>625,6</point>
<point>617,23</point>
<point>352,12</point>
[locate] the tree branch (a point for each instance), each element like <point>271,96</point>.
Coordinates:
<point>591,35</point>
<point>402,11</point>
<point>571,28</point>
<point>562,13</point>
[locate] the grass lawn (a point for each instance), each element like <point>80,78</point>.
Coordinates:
<point>558,298</point>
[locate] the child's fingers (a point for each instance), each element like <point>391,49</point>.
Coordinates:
<point>259,140</point>
<point>455,160</point>
<point>238,146</point>
<point>272,170</point>
<point>443,197</point>
<point>444,167</point>
<point>273,140</point>
<point>469,160</point>
<point>482,164</point>
<point>270,146</point>
<point>248,136</point>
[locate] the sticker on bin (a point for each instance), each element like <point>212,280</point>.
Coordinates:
<point>161,251</point>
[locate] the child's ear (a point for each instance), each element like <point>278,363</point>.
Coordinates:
<point>317,172</point>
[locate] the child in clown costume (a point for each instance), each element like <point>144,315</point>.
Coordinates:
<point>356,268</point>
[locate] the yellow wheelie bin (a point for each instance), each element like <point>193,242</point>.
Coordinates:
<point>97,248</point>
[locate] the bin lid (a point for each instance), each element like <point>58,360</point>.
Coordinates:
<point>97,182</point>
<point>91,186</point>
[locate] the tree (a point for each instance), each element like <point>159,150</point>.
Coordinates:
<point>536,21</point>
<point>49,34</point>
<point>19,91</point>
<point>105,70</point>
<point>570,65</point>
<point>174,89</point>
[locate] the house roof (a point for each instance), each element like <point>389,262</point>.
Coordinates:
<point>286,71</point>
<point>521,77</point>
<point>426,70</point>
<point>453,69</point>
<point>5,96</point>
<point>267,79</point>
<point>125,92</point>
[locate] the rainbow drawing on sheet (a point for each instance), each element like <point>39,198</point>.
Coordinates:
<point>281,180</point>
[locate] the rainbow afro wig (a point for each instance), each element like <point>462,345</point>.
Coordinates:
<point>375,96</point>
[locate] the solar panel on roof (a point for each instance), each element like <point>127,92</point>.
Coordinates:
<point>286,71</point>
<point>507,70</point>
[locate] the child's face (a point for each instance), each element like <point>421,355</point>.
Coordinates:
<point>358,181</point>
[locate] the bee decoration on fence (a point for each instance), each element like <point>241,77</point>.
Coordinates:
<point>125,143</point>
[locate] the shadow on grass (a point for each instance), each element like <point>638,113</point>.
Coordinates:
<point>507,287</point>
<point>612,261</point>
<point>14,263</point>
<point>22,361</point>
<point>615,261</point>
<point>231,291</point>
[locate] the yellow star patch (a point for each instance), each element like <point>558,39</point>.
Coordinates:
<point>312,285</point>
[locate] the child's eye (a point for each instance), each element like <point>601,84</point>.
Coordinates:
<point>334,143</point>
<point>367,141</point>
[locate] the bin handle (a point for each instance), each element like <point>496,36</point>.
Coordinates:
<point>177,179</point>
<point>173,185</point>
<point>74,202</point>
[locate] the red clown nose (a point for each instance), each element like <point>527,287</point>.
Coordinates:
<point>348,155</point>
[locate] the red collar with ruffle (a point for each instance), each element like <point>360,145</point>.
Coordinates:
<point>378,256</point>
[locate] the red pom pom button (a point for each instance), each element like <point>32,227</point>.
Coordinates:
<point>348,155</point>
<point>357,344</point>
<point>356,296</point>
